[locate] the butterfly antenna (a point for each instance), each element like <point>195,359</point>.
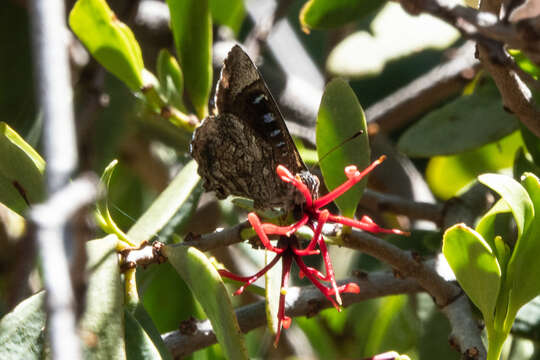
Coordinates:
<point>350,138</point>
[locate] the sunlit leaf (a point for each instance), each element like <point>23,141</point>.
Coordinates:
<point>515,197</point>
<point>109,40</point>
<point>191,24</point>
<point>323,14</point>
<point>475,266</point>
<point>448,175</point>
<point>171,78</point>
<point>524,264</point>
<point>208,288</point>
<point>21,171</point>
<point>167,204</point>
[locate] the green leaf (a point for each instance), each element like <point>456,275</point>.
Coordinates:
<point>21,171</point>
<point>496,222</point>
<point>138,343</point>
<point>515,197</point>
<point>22,331</point>
<point>145,321</point>
<point>192,30</point>
<point>340,117</point>
<point>524,266</point>
<point>171,79</point>
<point>319,336</point>
<point>103,215</point>
<point>469,122</point>
<point>474,265</point>
<point>448,175</point>
<point>103,318</point>
<point>389,309</point>
<point>162,288</point>
<point>167,204</point>
<point>230,13</point>
<point>110,41</point>
<point>207,287</point>
<point>324,14</point>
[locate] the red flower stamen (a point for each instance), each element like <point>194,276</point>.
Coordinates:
<point>288,250</point>
<point>353,177</point>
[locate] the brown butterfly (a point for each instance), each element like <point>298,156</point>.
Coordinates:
<point>239,148</point>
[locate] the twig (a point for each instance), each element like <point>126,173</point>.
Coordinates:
<point>216,239</point>
<point>51,219</point>
<point>492,35</point>
<point>305,301</point>
<point>402,206</point>
<point>427,91</point>
<point>50,40</point>
<point>445,293</point>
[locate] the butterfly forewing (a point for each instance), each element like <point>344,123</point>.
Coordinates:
<point>242,91</point>
<point>239,148</point>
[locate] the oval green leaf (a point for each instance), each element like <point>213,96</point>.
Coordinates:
<point>191,24</point>
<point>469,122</point>
<point>324,14</point>
<point>167,204</point>
<point>448,175</point>
<point>104,311</point>
<point>22,331</point>
<point>340,117</point>
<point>474,265</point>
<point>21,171</point>
<point>208,288</point>
<point>524,267</point>
<point>109,41</point>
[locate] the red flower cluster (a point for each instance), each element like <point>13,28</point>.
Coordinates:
<point>288,248</point>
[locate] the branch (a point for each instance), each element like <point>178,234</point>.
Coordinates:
<point>426,92</point>
<point>49,35</point>
<point>304,301</point>
<point>492,35</point>
<point>447,295</point>
<point>399,205</point>
<point>51,220</point>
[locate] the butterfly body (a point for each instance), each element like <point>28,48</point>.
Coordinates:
<point>239,148</point>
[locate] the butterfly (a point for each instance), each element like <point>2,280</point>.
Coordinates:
<point>239,147</point>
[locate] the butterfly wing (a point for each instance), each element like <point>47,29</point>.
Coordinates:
<point>242,91</point>
<point>239,149</point>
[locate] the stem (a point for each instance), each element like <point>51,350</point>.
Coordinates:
<point>496,340</point>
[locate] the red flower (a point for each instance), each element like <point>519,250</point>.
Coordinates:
<point>288,246</point>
